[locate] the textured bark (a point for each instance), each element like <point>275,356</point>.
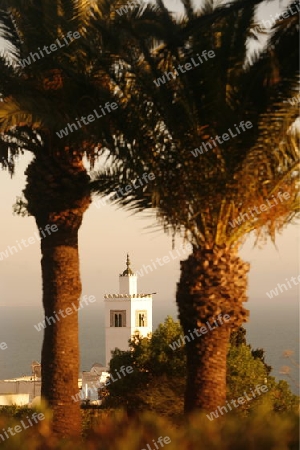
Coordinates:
<point>57,194</point>
<point>213,282</point>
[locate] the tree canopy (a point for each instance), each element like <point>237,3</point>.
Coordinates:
<point>158,378</point>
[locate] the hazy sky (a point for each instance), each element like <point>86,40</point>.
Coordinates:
<point>105,237</point>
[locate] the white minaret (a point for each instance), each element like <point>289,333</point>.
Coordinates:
<point>126,313</point>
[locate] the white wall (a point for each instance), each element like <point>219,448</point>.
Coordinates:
<point>21,387</point>
<point>14,399</point>
<point>141,304</point>
<point>128,284</point>
<point>118,337</point>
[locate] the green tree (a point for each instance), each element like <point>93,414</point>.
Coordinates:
<point>160,359</point>
<point>158,373</point>
<point>244,371</point>
<point>238,338</point>
<point>206,187</point>
<point>152,360</point>
<point>158,378</point>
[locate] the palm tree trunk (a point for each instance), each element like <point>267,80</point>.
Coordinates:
<point>60,351</point>
<point>213,281</point>
<point>57,195</point>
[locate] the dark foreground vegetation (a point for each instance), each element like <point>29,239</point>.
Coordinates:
<point>114,430</point>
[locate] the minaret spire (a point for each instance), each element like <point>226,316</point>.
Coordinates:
<point>128,270</point>
<point>128,262</point>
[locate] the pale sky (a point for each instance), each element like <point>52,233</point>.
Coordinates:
<point>105,237</point>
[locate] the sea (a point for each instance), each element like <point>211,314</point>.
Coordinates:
<point>272,326</point>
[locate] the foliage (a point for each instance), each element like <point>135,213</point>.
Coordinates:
<point>281,397</point>
<point>202,185</point>
<point>200,196</point>
<point>155,366</point>
<point>41,97</point>
<point>155,354</point>
<point>116,431</point>
<point>158,380</point>
<point>259,353</point>
<point>243,371</point>
<point>15,411</point>
<point>238,337</point>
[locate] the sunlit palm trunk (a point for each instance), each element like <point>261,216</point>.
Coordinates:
<point>61,203</point>
<point>60,352</point>
<point>213,282</point>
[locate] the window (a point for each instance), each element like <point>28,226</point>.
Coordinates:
<point>118,318</point>
<point>141,319</point>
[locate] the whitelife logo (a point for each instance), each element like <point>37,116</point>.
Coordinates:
<point>31,240</point>
<point>294,100</point>
<point>161,441</point>
<point>53,47</point>
<point>199,332</point>
<point>86,120</point>
<point>183,68</point>
<point>241,400</point>
<point>263,207</point>
<point>3,346</point>
<point>268,24</point>
<point>68,311</point>
<point>124,9</point>
<point>18,428</point>
<point>225,136</point>
<point>274,292</point>
<point>136,184</point>
<point>164,260</point>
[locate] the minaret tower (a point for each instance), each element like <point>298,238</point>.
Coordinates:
<point>126,313</point>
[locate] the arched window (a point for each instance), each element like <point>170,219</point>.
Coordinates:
<point>141,319</point>
<point>118,319</point>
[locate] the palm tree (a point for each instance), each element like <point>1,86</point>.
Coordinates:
<point>200,194</point>
<point>43,89</point>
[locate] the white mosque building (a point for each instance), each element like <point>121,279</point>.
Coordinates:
<point>126,313</point>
